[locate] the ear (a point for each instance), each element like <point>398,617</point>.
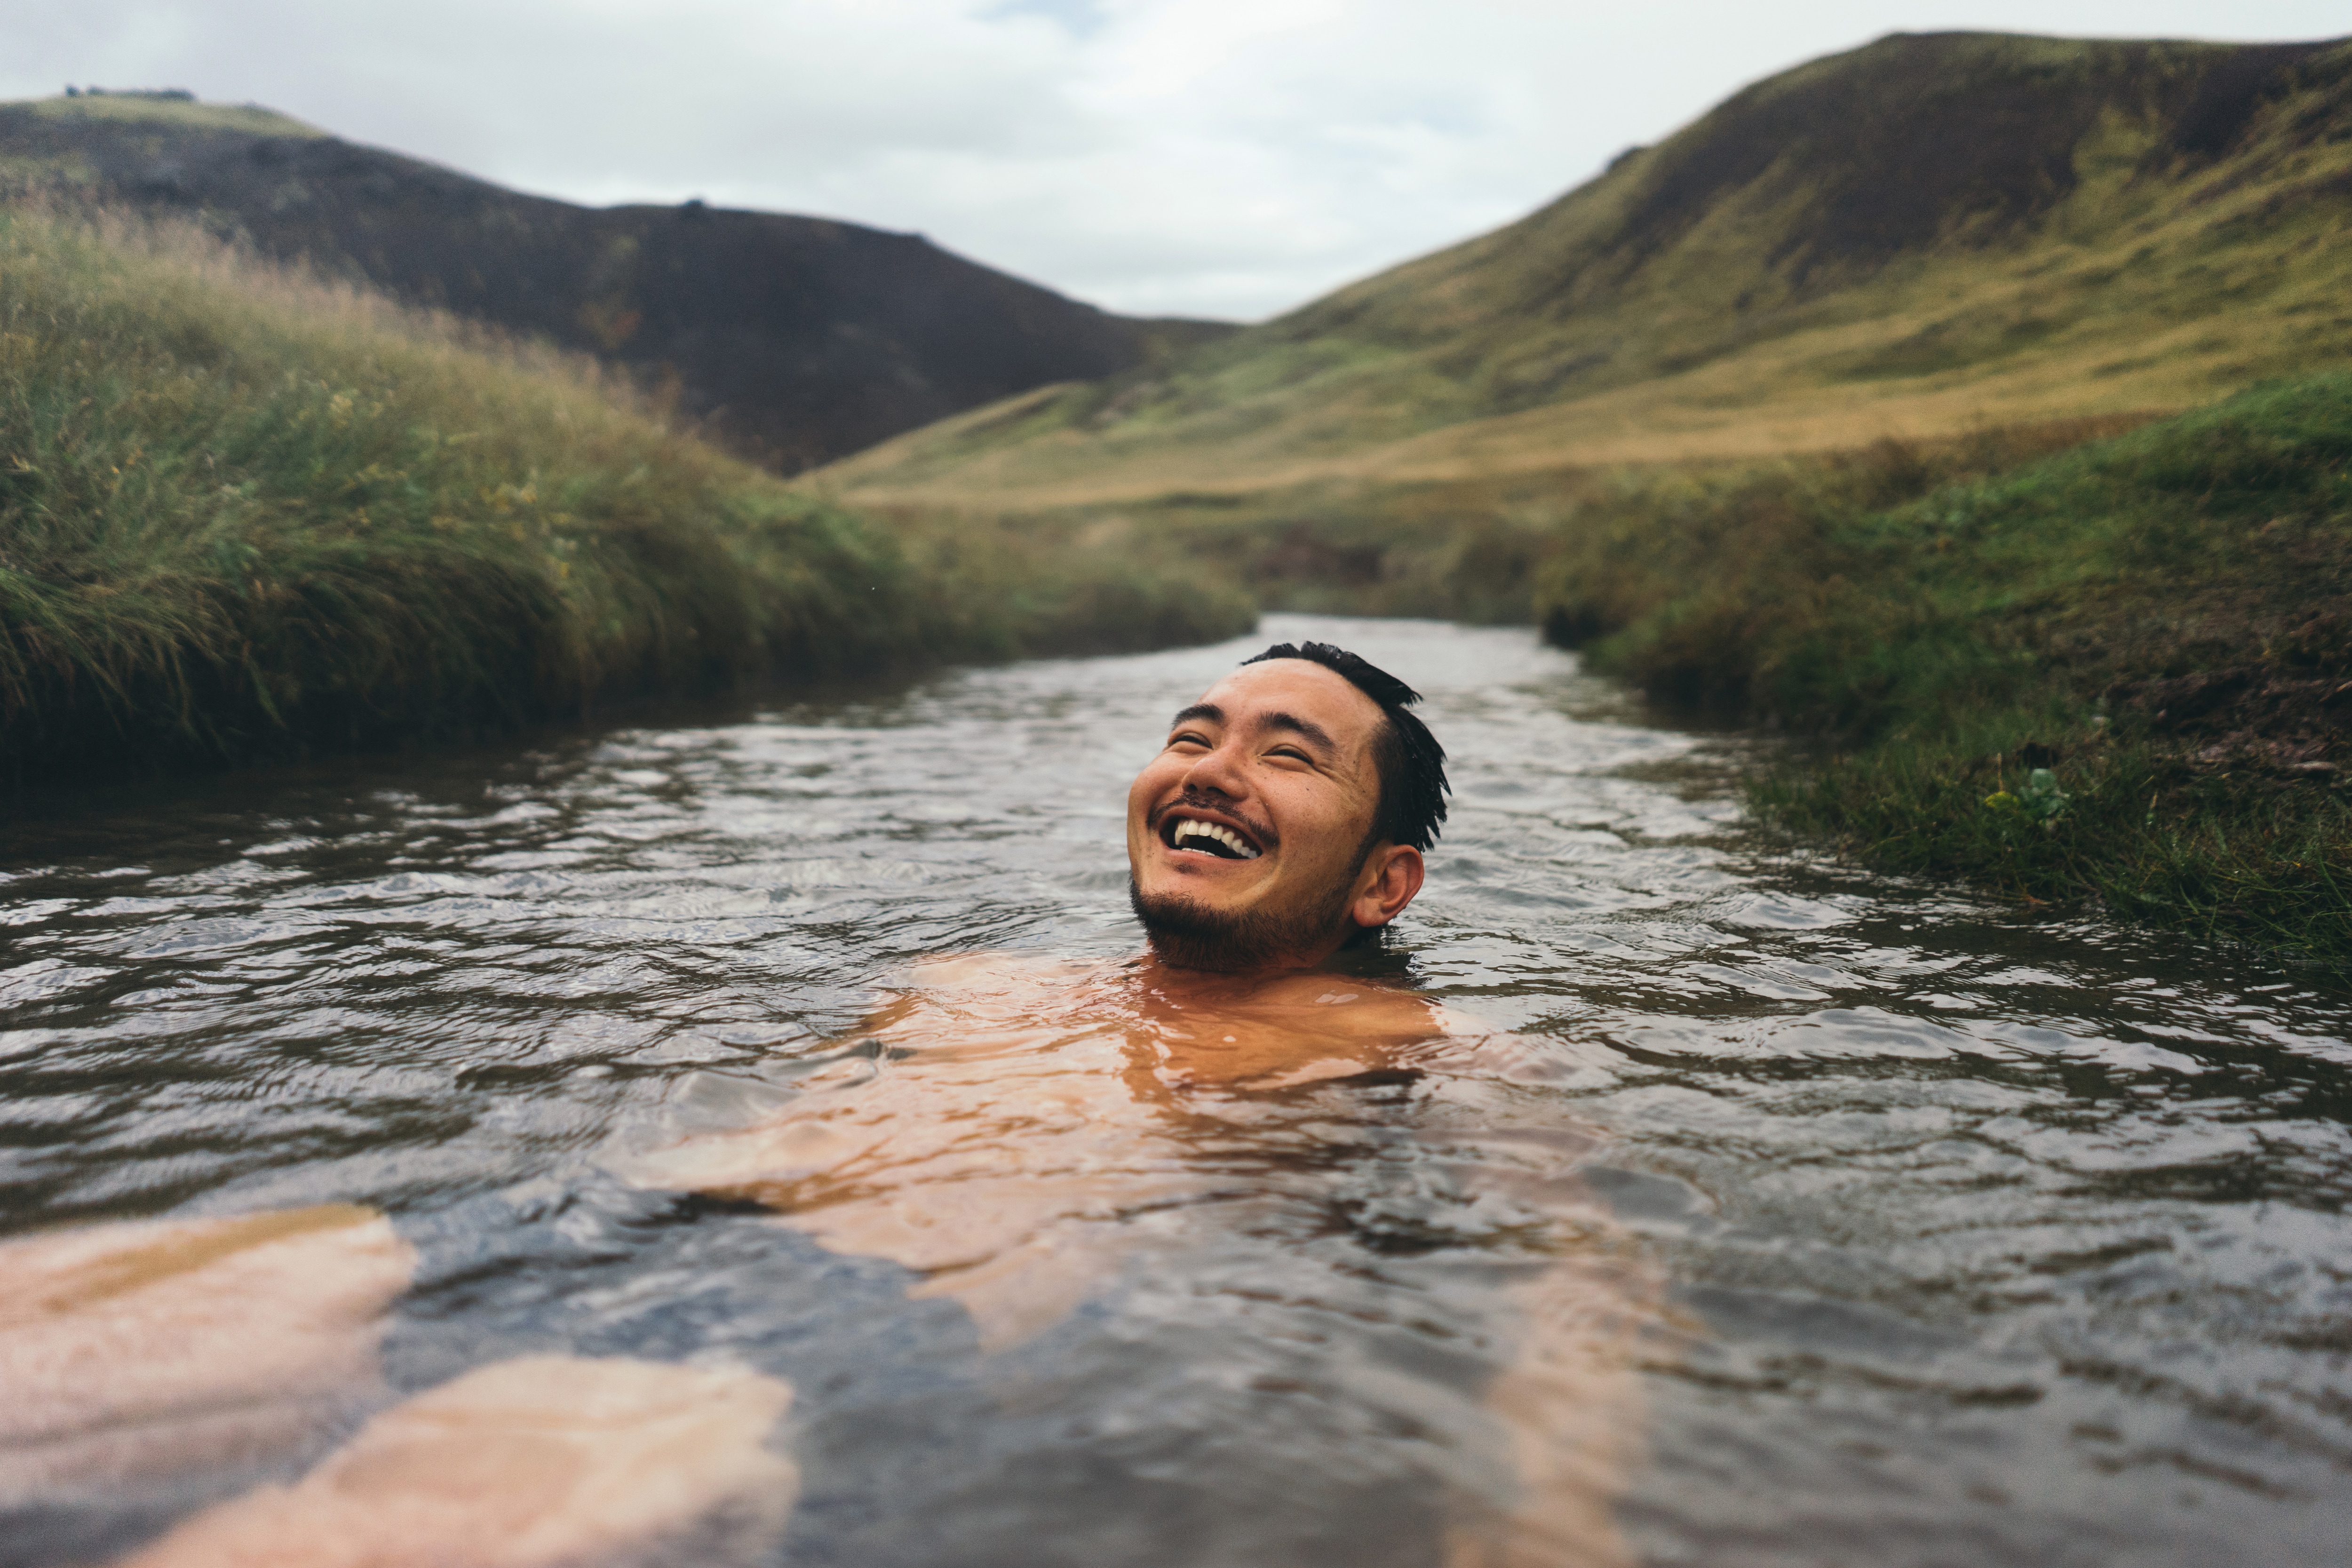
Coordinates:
<point>1390,876</point>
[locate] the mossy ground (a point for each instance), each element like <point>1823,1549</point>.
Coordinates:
<point>2157,623</point>
<point>244,513</point>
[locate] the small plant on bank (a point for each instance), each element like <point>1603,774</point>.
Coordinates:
<point>2038,803</point>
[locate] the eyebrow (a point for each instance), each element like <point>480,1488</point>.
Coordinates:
<point>1313,732</point>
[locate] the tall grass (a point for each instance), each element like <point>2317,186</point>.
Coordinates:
<point>2121,670</point>
<point>245,512</point>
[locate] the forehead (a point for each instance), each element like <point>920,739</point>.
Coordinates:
<point>1300,689</point>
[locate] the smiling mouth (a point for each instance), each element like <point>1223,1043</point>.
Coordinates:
<point>1188,833</point>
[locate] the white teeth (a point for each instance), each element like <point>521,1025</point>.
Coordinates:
<point>1224,835</point>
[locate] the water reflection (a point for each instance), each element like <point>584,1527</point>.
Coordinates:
<point>1983,1238</point>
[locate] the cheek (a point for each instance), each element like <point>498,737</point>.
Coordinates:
<point>1148,786</point>
<point>1314,825</point>
<point>1339,828</point>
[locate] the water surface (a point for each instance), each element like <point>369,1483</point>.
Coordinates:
<point>1980,1237</point>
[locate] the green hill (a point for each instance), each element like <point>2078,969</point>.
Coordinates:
<point>1915,239</point>
<point>791,339</point>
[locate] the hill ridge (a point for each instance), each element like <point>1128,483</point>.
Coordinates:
<point>794,339</point>
<point>2048,212</point>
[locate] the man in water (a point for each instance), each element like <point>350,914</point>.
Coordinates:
<point>1020,1133</point>
<point>1023,1133</point>
<point>1286,818</point>
<point>1007,1110</point>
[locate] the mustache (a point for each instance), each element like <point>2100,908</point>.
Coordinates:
<point>1260,831</point>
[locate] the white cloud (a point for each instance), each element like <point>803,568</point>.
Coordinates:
<point>1229,157</point>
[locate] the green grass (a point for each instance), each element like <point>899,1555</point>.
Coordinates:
<point>2247,854</point>
<point>2158,622</point>
<point>244,513</point>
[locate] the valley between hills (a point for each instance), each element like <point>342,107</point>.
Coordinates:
<point>1973,411</point>
<point>787,340</point>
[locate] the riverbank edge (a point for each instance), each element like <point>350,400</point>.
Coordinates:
<point>247,513</point>
<point>2118,673</point>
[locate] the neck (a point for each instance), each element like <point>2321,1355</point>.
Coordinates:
<point>1171,965</point>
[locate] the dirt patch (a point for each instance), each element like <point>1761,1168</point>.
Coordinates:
<point>2256,716</point>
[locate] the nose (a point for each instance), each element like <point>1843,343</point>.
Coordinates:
<point>1218,771</point>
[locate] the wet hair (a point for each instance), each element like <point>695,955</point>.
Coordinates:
<point>1411,763</point>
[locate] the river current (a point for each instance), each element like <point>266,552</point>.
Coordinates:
<point>1974,1234</point>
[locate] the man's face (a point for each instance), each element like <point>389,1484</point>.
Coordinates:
<point>1253,812</point>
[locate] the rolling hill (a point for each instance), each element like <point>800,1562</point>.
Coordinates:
<point>793,340</point>
<point>1921,238</point>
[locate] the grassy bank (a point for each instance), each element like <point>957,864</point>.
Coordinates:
<point>245,513</point>
<point>2121,670</point>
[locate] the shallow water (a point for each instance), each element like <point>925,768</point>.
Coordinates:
<point>1981,1238</point>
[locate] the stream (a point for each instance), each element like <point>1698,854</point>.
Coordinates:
<point>1976,1235</point>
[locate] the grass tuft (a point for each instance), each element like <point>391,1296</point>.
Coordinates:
<point>244,512</point>
<point>2120,670</point>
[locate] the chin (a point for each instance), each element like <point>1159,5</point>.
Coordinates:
<point>1190,933</point>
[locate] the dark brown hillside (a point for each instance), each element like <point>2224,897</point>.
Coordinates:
<point>797,338</point>
<point>1921,137</point>
<point>1817,179</point>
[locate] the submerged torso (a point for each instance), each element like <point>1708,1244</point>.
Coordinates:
<point>1007,1127</point>
<point>1029,1136</point>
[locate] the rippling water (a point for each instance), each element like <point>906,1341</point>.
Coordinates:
<point>1979,1238</point>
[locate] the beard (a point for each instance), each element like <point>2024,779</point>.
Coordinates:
<point>1188,934</point>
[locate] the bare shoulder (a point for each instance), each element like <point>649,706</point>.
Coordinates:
<point>1368,1007</point>
<point>989,972</point>
<point>994,990</point>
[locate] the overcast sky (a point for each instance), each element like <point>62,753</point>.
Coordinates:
<point>1213,157</point>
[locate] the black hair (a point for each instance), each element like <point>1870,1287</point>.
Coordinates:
<point>1411,763</point>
